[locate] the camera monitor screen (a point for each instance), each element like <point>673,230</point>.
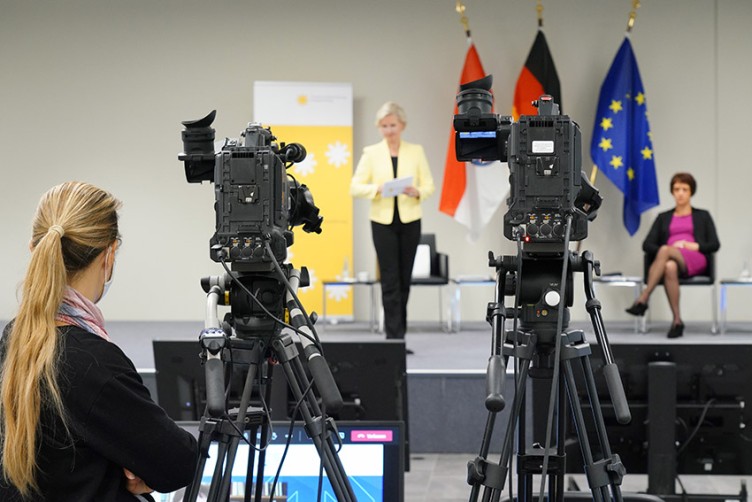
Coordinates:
<point>371,454</point>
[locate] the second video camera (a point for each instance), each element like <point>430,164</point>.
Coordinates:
<point>545,158</point>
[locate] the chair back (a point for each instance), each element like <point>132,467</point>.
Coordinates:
<point>439,269</point>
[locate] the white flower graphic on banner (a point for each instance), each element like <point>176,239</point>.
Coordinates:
<point>337,154</point>
<point>308,166</point>
<point>338,293</point>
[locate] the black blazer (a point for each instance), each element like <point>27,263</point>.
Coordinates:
<point>704,230</point>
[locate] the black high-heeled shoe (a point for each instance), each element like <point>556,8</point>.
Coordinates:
<point>637,309</point>
<point>676,330</point>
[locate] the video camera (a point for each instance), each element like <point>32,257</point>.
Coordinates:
<point>256,201</point>
<point>545,158</point>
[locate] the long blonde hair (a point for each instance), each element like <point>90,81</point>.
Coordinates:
<point>74,223</point>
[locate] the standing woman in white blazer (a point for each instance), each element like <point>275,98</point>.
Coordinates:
<point>395,221</point>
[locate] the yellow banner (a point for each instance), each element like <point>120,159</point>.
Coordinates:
<point>318,116</point>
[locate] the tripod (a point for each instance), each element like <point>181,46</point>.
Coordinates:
<point>227,428</point>
<point>543,350</point>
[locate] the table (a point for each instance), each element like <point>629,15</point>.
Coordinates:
<point>371,284</point>
<point>725,284</point>
<point>627,281</point>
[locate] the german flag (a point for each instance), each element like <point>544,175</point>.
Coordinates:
<point>537,77</point>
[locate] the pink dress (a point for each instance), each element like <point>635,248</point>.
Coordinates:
<point>682,229</point>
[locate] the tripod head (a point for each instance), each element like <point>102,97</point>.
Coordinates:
<point>256,299</point>
<point>540,295</point>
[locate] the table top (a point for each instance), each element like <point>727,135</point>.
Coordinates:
<point>739,281</point>
<point>350,282</point>
<point>473,279</point>
<point>618,278</point>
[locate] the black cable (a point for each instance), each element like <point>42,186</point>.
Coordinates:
<point>288,441</point>
<point>515,318</point>
<point>266,311</point>
<point>681,485</point>
<point>315,340</point>
<point>264,407</point>
<point>555,380</point>
<point>694,432</point>
<point>295,298</point>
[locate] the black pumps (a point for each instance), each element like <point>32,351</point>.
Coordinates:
<point>676,330</point>
<point>637,309</point>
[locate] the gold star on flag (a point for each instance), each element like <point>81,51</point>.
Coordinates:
<point>616,162</point>
<point>615,106</point>
<point>606,123</point>
<point>630,174</point>
<point>647,153</point>
<point>605,144</point>
<point>640,98</point>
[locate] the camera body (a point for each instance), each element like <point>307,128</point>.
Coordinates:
<point>544,153</point>
<point>256,201</point>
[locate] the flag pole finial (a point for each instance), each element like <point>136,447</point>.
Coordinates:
<point>632,15</point>
<point>460,8</point>
<point>539,9</point>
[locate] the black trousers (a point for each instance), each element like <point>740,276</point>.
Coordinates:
<point>395,245</point>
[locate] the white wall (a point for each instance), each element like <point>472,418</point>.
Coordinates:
<point>96,89</point>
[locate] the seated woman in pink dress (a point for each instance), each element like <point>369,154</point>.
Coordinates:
<point>681,241</point>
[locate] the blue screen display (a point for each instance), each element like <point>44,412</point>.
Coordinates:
<point>371,453</point>
<point>477,134</point>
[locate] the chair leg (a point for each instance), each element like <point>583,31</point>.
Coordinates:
<point>441,308</point>
<point>714,301</point>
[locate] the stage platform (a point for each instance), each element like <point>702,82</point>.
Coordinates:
<point>446,372</point>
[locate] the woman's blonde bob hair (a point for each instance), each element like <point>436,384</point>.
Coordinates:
<point>391,108</point>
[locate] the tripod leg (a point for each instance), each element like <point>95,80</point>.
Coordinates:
<point>597,472</point>
<point>218,478</point>
<point>616,470</point>
<point>245,399</point>
<point>324,443</point>
<point>317,426</point>
<point>262,442</point>
<point>493,476</point>
<point>204,440</point>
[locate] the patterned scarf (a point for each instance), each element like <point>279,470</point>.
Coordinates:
<point>77,310</point>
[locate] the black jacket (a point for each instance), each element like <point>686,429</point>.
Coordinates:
<point>704,231</point>
<point>113,424</point>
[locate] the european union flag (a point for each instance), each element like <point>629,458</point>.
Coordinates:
<point>622,147</point>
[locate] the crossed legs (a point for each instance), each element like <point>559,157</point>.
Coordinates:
<point>668,265</point>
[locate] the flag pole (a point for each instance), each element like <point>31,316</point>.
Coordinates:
<point>539,9</point>
<point>460,8</point>
<point>632,15</point>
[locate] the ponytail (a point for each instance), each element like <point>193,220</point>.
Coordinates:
<point>73,224</point>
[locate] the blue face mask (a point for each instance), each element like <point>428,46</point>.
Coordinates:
<point>108,282</point>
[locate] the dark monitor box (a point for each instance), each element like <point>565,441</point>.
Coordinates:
<point>713,407</point>
<point>371,377</point>
<point>372,456</point>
